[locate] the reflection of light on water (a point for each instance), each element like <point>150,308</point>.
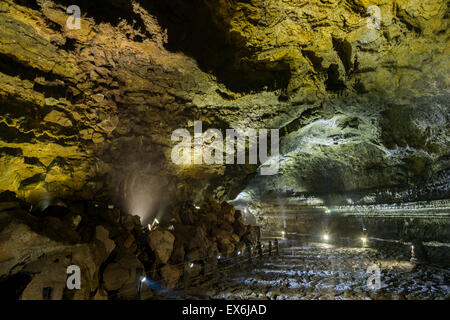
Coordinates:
<point>325,245</point>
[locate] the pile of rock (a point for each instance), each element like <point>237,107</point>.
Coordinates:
<point>111,248</point>
<point>196,237</point>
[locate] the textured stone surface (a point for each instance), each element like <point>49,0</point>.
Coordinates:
<point>162,243</point>
<point>89,113</point>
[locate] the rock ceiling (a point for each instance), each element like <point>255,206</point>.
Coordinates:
<point>89,113</point>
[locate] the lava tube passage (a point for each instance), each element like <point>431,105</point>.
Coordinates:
<point>224,154</point>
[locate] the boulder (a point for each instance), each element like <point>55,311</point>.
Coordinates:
<point>130,243</point>
<point>131,222</point>
<point>235,238</point>
<point>72,220</point>
<point>189,216</point>
<point>190,236</point>
<point>112,215</point>
<point>226,227</point>
<point>115,276</point>
<point>194,255</point>
<point>161,242</point>
<point>50,274</point>
<point>220,233</point>
<point>102,235</point>
<point>178,252</point>
<point>170,275</point>
<point>239,227</point>
<point>252,235</point>
<point>120,276</point>
<point>100,295</point>
<point>228,211</point>
<point>9,205</point>
<point>226,247</point>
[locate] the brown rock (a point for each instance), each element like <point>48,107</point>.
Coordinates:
<point>161,242</point>
<point>170,275</point>
<point>178,253</point>
<point>102,235</point>
<point>194,255</point>
<point>120,275</point>
<point>239,227</point>
<point>190,236</point>
<point>252,235</point>
<point>235,238</point>
<point>226,247</point>
<point>131,222</point>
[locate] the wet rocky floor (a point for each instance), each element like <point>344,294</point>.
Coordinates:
<point>314,270</point>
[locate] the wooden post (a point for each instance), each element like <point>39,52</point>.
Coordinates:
<point>249,253</point>
<point>139,273</point>
<point>270,247</point>
<point>236,258</point>
<point>260,253</point>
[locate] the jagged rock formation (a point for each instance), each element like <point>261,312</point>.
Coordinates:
<point>362,106</point>
<point>109,247</point>
<point>89,113</point>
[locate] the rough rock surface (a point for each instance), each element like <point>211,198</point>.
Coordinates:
<point>36,248</point>
<point>162,243</point>
<point>89,113</point>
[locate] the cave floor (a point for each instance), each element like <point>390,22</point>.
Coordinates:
<point>314,270</point>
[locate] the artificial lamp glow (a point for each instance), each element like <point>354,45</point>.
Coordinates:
<point>191,265</point>
<point>326,237</point>
<point>364,240</point>
<point>143,279</point>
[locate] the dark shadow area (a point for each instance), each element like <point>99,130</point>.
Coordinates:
<point>12,287</point>
<point>192,30</point>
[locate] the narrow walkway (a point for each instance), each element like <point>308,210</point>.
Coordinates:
<point>312,270</point>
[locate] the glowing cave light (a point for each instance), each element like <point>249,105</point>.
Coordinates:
<point>326,237</point>
<point>364,240</point>
<point>239,253</point>
<point>328,211</point>
<point>143,279</point>
<point>218,257</point>
<point>191,265</point>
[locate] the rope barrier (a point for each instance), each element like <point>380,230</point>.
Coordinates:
<point>220,265</point>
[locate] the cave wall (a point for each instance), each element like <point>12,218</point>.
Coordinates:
<point>89,113</point>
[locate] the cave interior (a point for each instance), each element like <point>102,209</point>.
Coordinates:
<point>209,149</point>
